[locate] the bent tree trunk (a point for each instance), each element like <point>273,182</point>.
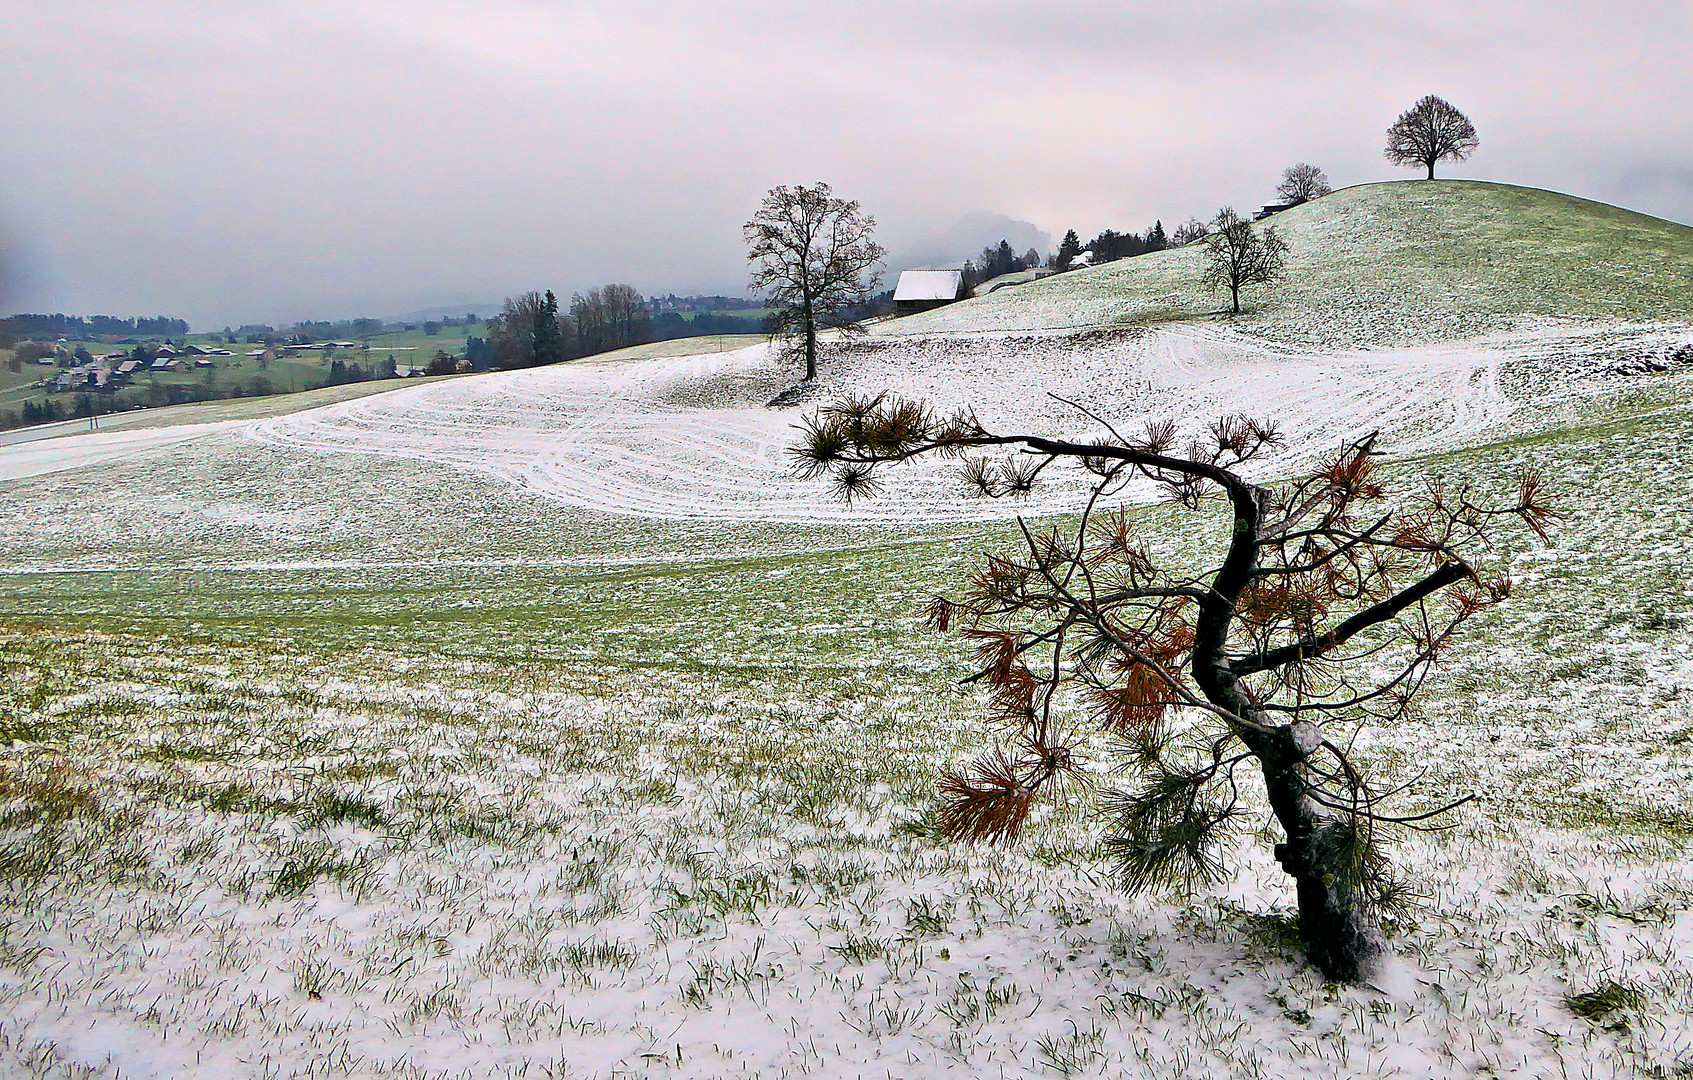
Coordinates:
<point>1338,925</point>
<point>1299,557</point>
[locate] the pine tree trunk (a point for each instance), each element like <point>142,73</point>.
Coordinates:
<point>1338,925</point>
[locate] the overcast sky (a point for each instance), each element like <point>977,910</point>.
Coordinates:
<point>231,162</point>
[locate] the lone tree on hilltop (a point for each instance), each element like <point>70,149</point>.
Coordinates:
<point>1331,604</point>
<point>1237,254</point>
<point>1302,183</point>
<point>813,258</point>
<point>1429,131</point>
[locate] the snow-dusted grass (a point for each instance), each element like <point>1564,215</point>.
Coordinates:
<point>693,438</point>
<point>350,765</point>
<point>689,346</point>
<point>1381,264</point>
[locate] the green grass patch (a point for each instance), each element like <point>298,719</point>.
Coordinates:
<point>1604,1003</point>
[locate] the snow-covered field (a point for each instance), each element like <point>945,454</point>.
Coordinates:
<point>536,724</point>
<point>692,437</point>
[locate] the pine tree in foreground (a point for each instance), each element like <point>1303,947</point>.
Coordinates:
<point>1331,603</point>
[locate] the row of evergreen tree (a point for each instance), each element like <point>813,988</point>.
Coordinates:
<point>1110,245</point>
<point>16,328</point>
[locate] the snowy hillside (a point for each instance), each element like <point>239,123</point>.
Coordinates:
<point>352,764</point>
<point>1377,264</point>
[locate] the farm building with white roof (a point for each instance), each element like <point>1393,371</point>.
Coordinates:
<point>920,290</point>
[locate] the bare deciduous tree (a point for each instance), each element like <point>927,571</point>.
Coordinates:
<point>514,332</point>
<point>1327,611</point>
<point>1302,183</point>
<point>1188,231</point>
<point>1429,131</point>
<point>1236,254</point>
<point>626,317</point>
<point>813,258</point>
<point>610,317</point>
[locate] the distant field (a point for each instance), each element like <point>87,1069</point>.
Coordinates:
<point>16,385</point>
<point>295,372</point>
<point>206,412</point>
<point>288,374</point>
<point>450,339</point>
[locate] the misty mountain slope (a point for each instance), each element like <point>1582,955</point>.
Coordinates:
<point>1391,263</point>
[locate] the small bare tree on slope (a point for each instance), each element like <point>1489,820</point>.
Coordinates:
<point>1302,183</point>
<point>1429,131</point>
<point>813,258</point>
<point>1236,255</point>
<point>1330,605</point>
